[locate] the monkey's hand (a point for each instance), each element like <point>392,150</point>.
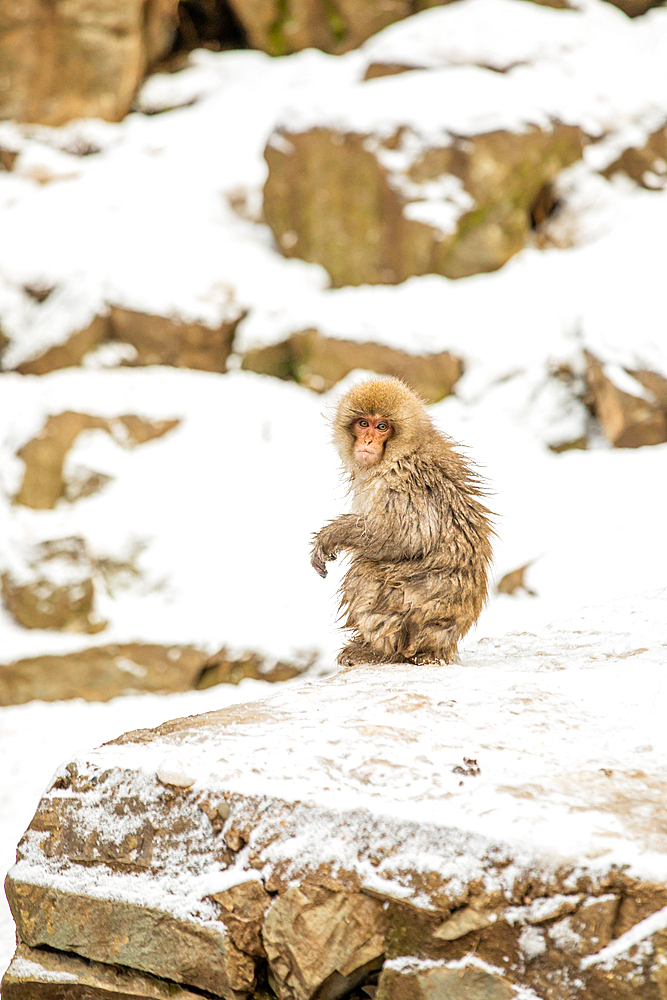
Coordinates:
<point>320,556</point>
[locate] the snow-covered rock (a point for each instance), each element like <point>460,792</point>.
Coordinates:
<point>507,807</point>
<point>456,207</point>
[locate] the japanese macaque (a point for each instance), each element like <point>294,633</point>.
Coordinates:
<point>418,536</point>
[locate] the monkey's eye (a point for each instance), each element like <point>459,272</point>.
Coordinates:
<point>382,425</point>
<point>362,423</point>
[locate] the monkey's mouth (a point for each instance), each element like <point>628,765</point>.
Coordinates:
<point>367,455</point>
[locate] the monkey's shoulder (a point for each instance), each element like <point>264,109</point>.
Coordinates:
<point>432,472</point>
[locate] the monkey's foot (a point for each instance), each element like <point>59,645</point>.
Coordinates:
<point>358,652</point>
<point>362,652</point>
<point>428,659</point>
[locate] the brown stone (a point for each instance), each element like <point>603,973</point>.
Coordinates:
<point>462,922</point>
<point>45,601</point>
<point>279,28</point>
<point>140,937</point>
<point>159,340</point>
<point>320,362</point>
<point>72,352</point>
<point>4,342</point>
<point>442,983</point>
<point>276,360</point>
<point>542,911</point>
<point>154,809</point>
<point>628,421</point>
<point>222,668</point>
<point>101,673</point>
<point>38,974</point>
<point>378,69</point>
<point>635,8</point>
<point>656,384</point>
<point>515,581</point>
<point>647,165</point>
<point>83,59</point>
<point>7,158</point>
<point>362,232</point>
<point>644,899</point>
<point>44,456</point>
<point>556,4</point>
<point>242,910</point>
<point>321,942</point>
<point>43,604</point>
<point>588,929</point>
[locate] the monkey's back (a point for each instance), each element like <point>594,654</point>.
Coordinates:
<point>421,581</point>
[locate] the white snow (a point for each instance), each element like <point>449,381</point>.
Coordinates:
<point>569,756</point>
<point>531,942</point>
<point>642,930</point>
<point>24,968</point>
<point>172,772</point>
<point>504,35</point>
<point>217,514</point>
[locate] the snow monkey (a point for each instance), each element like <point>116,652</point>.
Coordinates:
<point>419,538</point>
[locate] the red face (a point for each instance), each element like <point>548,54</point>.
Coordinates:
<point>370,436</point>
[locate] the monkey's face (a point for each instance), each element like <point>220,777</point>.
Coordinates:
<point>370,434</point>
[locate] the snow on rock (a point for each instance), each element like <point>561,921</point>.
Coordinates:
<point>193,534</point>
<point>538,764</point>
<point>555,65</point>
<point>506,34</point>
<point>169,178</point>
<point>201,536</point>
<point>406,215</point>
<point>34,973</point>
<point>172,772</point>
<point>511,793</point>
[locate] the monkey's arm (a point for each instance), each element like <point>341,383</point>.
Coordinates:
<point>394,537</point>
<point>345,532</point>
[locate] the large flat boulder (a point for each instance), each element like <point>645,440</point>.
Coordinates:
<point>464,831</point>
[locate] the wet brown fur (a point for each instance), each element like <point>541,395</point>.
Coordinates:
<point>418,535</point>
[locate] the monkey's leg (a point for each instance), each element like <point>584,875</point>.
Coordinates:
<point>359,651</point>
<point>356,652</point>
<point>432,646</point>
<point>434,640</point>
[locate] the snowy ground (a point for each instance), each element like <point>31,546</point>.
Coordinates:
<point>223,506</point>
